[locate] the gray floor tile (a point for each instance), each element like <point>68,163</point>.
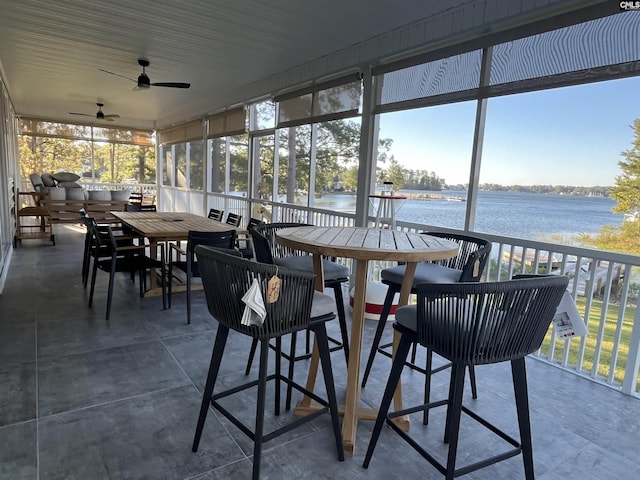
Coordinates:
<point>18,457</point>
<point>146,437</point>
<point>117,398</point>
<point>17,393</point>
<point>81,380</point>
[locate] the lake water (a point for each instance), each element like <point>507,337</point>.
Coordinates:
<point>513,214</point>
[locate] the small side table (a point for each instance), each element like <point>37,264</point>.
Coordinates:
<point>386,211</point>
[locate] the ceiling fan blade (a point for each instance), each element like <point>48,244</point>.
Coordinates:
<point>111,117</point>
<point>83,114</point>
<point>107,118</point>
<point>171,84</point>
<point>117,75</point>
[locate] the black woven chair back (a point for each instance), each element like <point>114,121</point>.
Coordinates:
<point>215,214</point>
<point>265,244</point>
<point>226,279</point>
<point>133,207</point>
<point>226,240</point>
<point>233,219</point>
<point>472,256</point>
<point>480,323</point>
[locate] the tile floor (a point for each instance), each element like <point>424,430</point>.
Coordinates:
<point>84,398</point>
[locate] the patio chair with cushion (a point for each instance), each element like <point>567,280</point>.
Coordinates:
<point>226,280</point>
<point>268,250</point>
<point>473,324</point>
<point>467,266</point>
<point>185,260</point>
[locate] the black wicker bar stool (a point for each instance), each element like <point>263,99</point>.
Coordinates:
<point>474,324</point>
<point>226,278</point>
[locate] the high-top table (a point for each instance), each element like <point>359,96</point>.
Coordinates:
<point>161,227</point>
<point>362,245</point>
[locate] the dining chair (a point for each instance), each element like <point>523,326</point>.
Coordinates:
<point>226,280</point>
<point>133,207</point>
<point>233,219</point>
<point>215,214</point>
<point>244,240</point>
<point>111,257</point>
<point>185,261</point>
<point>90,246</point>
<point>473,324</point>
<point>269,251</point>
<point>467,266</point>
<point>135,198</point>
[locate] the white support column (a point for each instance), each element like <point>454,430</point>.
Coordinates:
<point>633,360</point>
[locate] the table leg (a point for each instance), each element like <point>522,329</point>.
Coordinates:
<point>315,357</point>
<point>352,400</point>
<point>405,291</point>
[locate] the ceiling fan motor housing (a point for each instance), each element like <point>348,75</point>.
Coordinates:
<point>143,81</point>
<point>100,115</point>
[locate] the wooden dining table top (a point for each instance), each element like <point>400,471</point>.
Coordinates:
<point>361,243</point>
<point>170,225</point>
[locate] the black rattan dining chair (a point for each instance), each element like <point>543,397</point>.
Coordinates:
<point>185,261</point>
<point>467,266</point>
<point>111,257</point>
<point>215,214</point>
<point>473,324</point>
<point>269,251</point>
<point>226,279</point>
<point>233,219</point>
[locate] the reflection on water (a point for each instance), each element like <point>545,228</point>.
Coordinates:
<point>514,214</point>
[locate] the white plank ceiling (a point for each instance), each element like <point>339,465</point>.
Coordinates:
<point>51,50</point>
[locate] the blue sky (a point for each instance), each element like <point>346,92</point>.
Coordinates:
<point>567,136</point>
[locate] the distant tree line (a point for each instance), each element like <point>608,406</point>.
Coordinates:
<point>599,191</point>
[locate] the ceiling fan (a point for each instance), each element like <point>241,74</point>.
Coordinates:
<point>99,115</point>
<point>144,81</point>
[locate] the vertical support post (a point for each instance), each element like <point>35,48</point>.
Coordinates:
<point>478,138</point>
<point>633,360</point>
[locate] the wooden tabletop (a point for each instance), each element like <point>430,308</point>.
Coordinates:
<point>362,243</point>
<point>158,226</point>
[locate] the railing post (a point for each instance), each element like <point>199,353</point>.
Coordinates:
<point>633,360</point>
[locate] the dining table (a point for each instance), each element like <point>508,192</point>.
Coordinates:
<point>162,227</point>
<point>362,245</point>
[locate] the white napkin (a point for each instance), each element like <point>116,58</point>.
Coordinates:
<point>254,311</point>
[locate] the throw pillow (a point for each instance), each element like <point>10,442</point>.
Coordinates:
<point>66,177</point>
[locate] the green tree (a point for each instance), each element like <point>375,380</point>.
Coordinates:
<point>627,189</point>
<point>626,193</point>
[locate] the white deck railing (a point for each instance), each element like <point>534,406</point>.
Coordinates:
<point>604,285</point>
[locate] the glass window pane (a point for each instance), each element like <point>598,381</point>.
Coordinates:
<point>337,156</point>
<point>180,165</point>
<point>540,152</point>
<point>218,147</point>
<point>265,116</point>
<point>239,165</point>
<point>293,170</point>
<point>196,164</point>
<point>264,160</point>
<point>168,170</point>
<point>426,153</point>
